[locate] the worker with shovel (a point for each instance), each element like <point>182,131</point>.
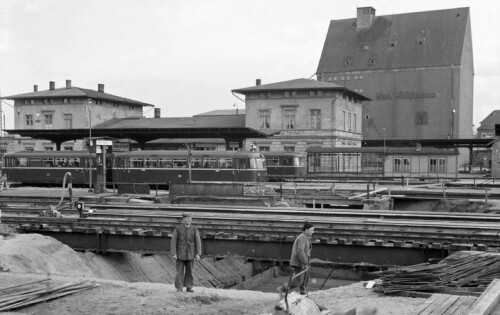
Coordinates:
<point>299,262</point>
<point>185,247</point>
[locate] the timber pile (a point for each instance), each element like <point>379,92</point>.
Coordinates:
<point>39,291</point>
<point>475,271</point>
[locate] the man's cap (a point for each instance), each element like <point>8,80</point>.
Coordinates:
<point>187,214</point>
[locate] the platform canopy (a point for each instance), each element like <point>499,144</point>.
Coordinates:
<point>231,128</point>
<point>435,143</point>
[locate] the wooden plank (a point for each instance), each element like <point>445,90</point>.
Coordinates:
<point>488,301</point>
<point>453,309</point>
<point>445,305</point>
<point>435,301</point>
<point>464,308</point>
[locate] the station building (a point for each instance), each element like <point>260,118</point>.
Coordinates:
<point>303,113</point>
<point>67,108</point>
<point>417,69</point>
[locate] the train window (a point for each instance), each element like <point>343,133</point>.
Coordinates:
<point>288,161</point>
<point>300,161</point>
<point>34,162</point>
<point>180,162</point>
<point>209,162</point>
<point>73,162</point>
<point>196,163</point>
<point>136,162</point>
<point>225,163</point>
<point>48,162</point>
<point>272,161</point>
<point>256,163</point>
<point>61,162</point>
<point>23,162</point>
<point>165,162</point>
<point>150,162</point>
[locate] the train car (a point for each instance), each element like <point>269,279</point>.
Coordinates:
<point>285,165</point>
<point>48,167</point>
<point>179,167</point>
<point>382,162</point>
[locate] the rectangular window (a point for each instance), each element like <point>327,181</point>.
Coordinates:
<point>289,149</point>
<point>344,118</point>
<point>396,167</point>
<point>225,163</point>
<point>264,119</point>
<point>289,117</point>
<point>315,119</point>
<point>263,148</point>
<point>432,165</point>
<point>47,119</point>
<point>68,121</point>
<point>68,148</point>
<point>355,129</point>
<point>349,125</point>
<point>406,165</point>
<point>442,165</point>
<point>29,120</point>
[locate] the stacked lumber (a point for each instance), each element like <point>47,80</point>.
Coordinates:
<point>39,291</point>
<point>474,271</point>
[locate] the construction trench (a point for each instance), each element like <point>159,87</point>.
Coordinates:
<point>251,254</point>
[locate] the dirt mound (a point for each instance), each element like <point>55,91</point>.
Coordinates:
<point>35,253</point>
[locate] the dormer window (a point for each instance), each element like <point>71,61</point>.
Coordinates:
<point>372,61</point>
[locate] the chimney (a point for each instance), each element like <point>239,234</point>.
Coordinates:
<point>68,84</point>
<point>257,82</point>
<point>100,87</point>
<point>52,85</point>
<point>35,88</point>
<point>157,112</point>
<point>365,17</point>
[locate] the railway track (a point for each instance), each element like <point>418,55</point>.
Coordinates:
<point>265,223</point>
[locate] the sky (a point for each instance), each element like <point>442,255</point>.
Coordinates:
<point>185,56</point>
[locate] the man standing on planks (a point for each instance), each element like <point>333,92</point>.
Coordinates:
<point>185,247</point>
<point>300,261</point>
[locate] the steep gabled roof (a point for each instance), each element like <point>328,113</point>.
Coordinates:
<point>490,121</point>
<point>75,92</point>
<point>410,40</point>
<point>297,85</point>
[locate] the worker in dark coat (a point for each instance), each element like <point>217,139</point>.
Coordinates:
<point>185,247</point>
<point>300,260</point>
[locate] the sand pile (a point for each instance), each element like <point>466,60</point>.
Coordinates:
<point>34,253</point>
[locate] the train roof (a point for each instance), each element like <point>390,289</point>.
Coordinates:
<point>49,154</point>
<point>386,150</point>
<point>281,153</point>
<point>182,153</point>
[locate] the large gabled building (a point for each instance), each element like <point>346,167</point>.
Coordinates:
<point>303,113</point>
<point>416,67</point>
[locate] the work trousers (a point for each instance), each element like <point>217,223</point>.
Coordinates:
<point>184,277</point>
<point>301,281</point>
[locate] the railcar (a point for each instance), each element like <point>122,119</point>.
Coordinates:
<point>285,165</point>
<point>49,167</point>
<point>382,162</point>
<point>179,167</point>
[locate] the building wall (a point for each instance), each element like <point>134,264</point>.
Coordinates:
<point>334,131</point>
<point>410,103</point>
<point>420,166</point>
<point>78,108</point>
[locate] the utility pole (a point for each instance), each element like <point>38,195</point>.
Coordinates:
<point>89,102</point>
